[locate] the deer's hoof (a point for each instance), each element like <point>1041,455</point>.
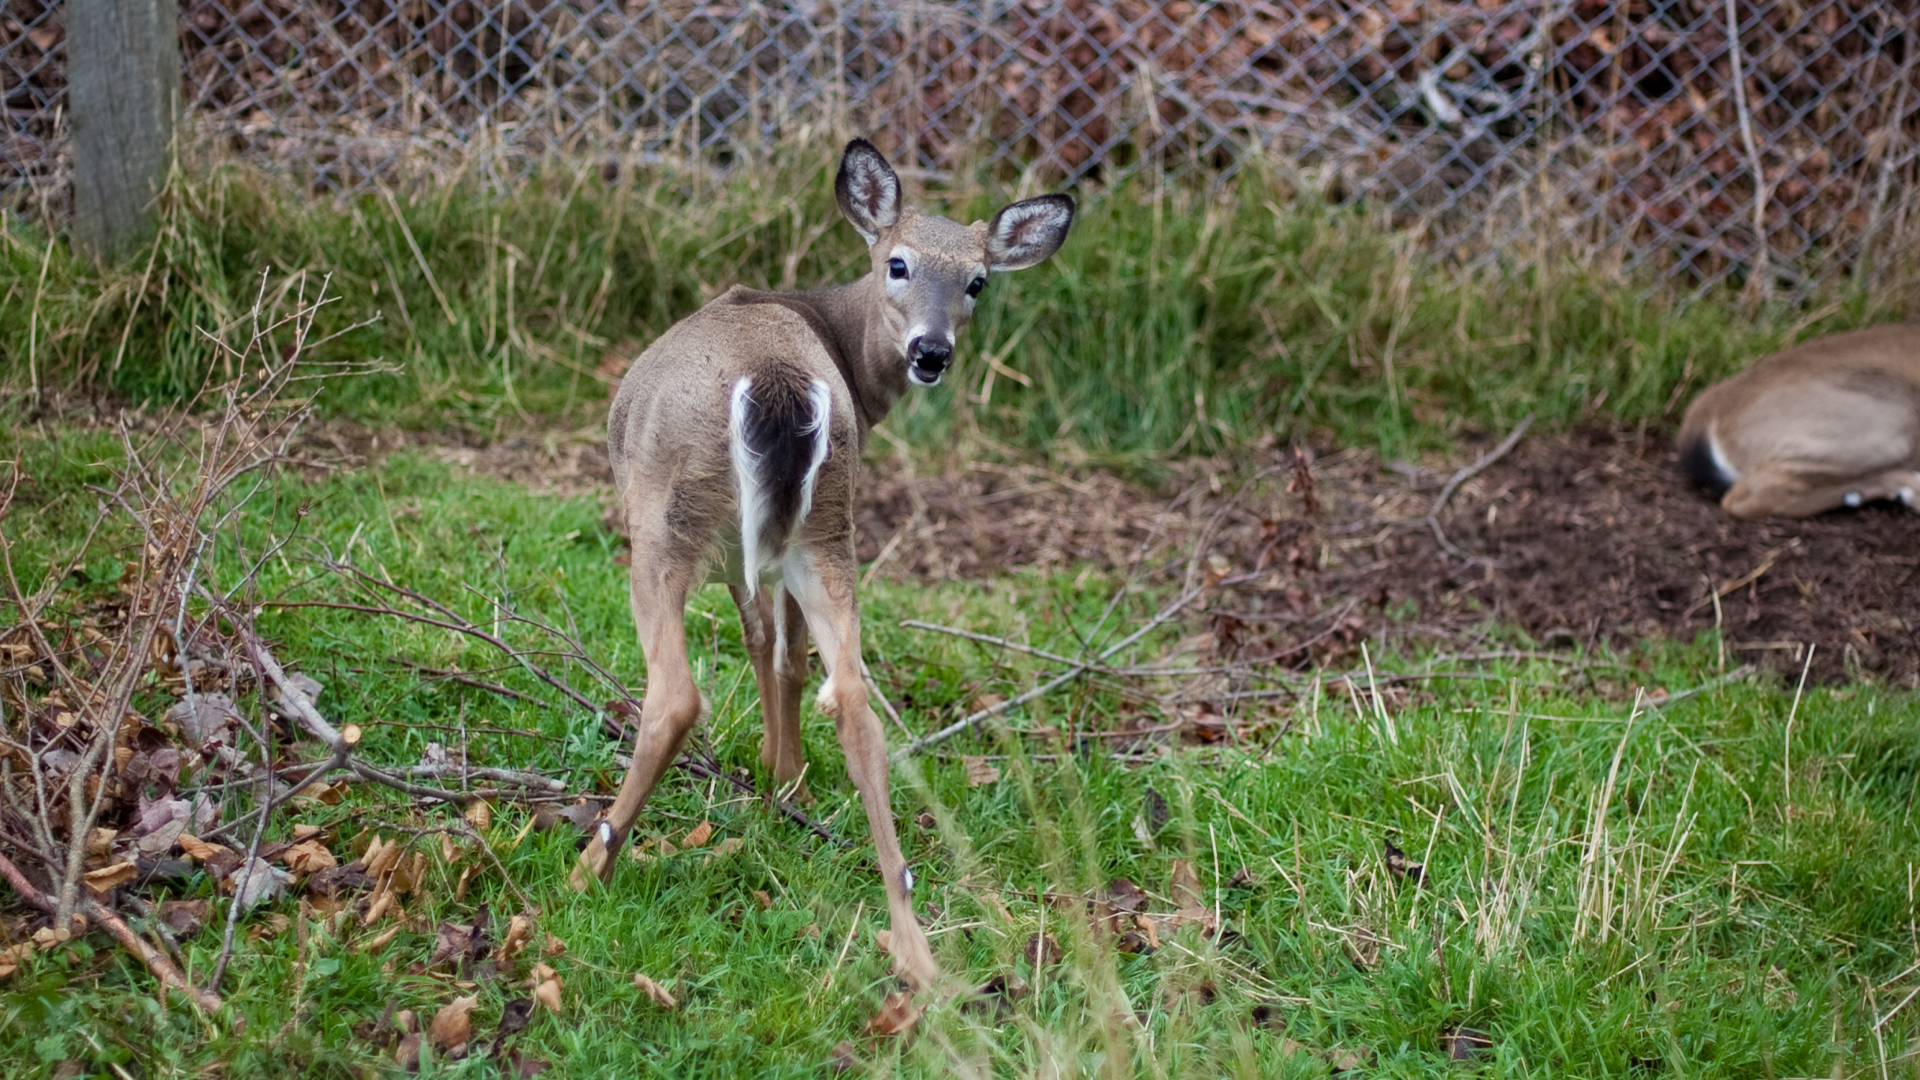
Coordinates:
<point>594,868</point>
<point>913,961</point>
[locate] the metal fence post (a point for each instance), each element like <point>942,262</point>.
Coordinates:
<point>124,91</point>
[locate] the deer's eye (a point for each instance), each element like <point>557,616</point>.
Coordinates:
<point>897,269</point>
<point>974,286</point>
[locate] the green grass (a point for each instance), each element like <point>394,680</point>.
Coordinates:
<point>1725,886</point>
<point>1175,320</point>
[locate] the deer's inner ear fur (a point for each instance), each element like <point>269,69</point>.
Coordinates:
<point>1027,232</point>
<point>867,190</point>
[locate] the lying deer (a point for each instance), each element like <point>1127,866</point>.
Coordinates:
<point>735,438</point>
<point>1832,422</point>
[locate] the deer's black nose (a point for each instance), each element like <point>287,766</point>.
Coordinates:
<point>930,356</point>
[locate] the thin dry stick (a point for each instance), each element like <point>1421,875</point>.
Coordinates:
<point>107,919</point>
<point>1466,474</point>
<point>1757,283</point>
<point>1786,750</point>
<point>921,744</point>
<point>873,688</point>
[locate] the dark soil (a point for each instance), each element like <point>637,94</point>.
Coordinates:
<point>1577,540</point>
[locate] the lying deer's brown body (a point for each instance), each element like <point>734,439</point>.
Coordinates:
<point>1828,423</point>
<point>735,438</point>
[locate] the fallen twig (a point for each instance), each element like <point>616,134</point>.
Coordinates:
<point>1079,668</point>
<point>107,919</point>
<point>1466,474</point>
<point>1739,674</point>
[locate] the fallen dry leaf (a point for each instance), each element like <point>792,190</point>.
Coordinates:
<point>100,841</point>
<point>307,857</point>
<point>697,836</point>
<point>1124,895</point>
<point>883,941</point>
<point>1344,1060</point>
<point>765,901</point>
<point>997,995</point>
<point>519,932</point>
<point>270,925</point>
<point>255,882</point>
<point>554,946</point>
<point>452,1027</point>
<point>461,943</point>
<point>303,832</point>
<point>381,857</point>
<point>897,1014</point>
<point>108,878</point>
<point>514,1017</point>
<point>724,848</point>
<point>184,917</point>
<point>381,940</point>
<point>1187,990</point>
<point>407,1053</point>
<point>1154,810</point>
<point>655,991</point>
<point>479,814</point>
<point>1042,950</point>
<point>1184,885</point>
<point>1398,864</point>
<point>979,771</point>
<point>1466,1044</point>
<point>546,987</point>
<point>843,1058</point>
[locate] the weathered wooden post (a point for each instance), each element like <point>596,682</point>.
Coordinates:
<point>123,87</point>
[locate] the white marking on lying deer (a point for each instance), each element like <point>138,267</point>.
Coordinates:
<point>1832,422</point>
<point>735,438</point>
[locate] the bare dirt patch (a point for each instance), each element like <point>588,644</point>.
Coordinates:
<point>1582,539</point>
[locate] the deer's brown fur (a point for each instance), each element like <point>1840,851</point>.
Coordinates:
<point>716,439</point>
<point>1831,422</point>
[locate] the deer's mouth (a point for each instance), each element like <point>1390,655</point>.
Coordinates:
<point>920,376</point>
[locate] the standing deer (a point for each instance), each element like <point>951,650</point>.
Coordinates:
<point>735,437</point>
<point>1832,422</point>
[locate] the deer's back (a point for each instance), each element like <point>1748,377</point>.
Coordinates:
<point>667,429</point>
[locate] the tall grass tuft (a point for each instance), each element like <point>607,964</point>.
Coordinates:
<point>1179,318</point>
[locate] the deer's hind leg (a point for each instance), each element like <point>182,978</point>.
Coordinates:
<point>776,640</point>
<point>670,707</point>
<point>1783,490</point>
<point>822,581</point>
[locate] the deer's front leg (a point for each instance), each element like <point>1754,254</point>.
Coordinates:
<point>825,593</point>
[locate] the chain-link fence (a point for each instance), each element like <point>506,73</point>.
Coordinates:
<point>1696,139</point>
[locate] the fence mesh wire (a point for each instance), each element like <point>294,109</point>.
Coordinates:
<point>1693,140</point>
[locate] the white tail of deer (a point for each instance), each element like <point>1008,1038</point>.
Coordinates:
<point>735,438</point>
<point>1832,422</point>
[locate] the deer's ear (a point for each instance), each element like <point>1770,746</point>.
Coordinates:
<point>1025,233</point>
<point>867,190</point>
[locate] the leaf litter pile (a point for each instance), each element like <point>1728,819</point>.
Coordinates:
<point>150,734</point>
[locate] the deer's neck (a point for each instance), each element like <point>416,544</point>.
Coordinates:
<point>867,350</point>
